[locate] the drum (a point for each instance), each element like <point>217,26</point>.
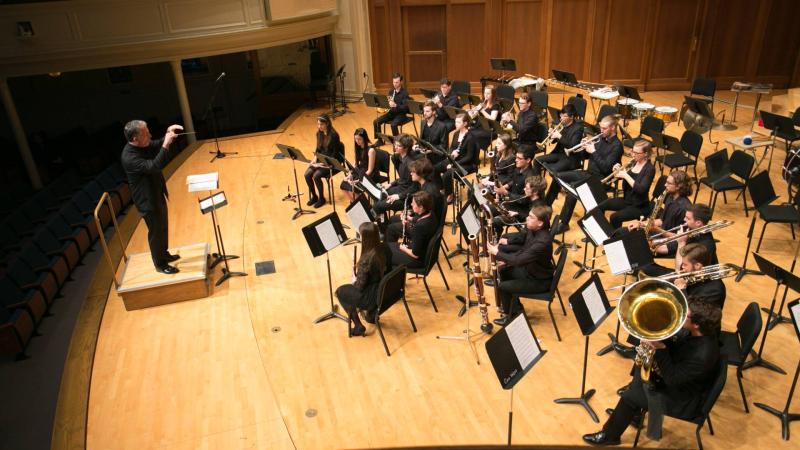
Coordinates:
<point>642,109</point>
<point>790,172</point>
<point>666,113</point>
<point>625,107</point>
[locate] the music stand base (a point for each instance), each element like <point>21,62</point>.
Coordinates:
<point>290,197</point>
<point>459,250</point>
<point>217,258</point>
<point>300,211</point>
<point>583,400</point>
<point>218,154</point>
<point>227,274</point>
<point>758,361</point>
<point>776,319</point>
<point>583,268</point>
<point>745,271</point>
<point>612,346</point>
<point>786,418</point>
<point>332,314</point>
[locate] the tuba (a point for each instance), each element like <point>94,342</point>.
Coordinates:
<point>652,310</point>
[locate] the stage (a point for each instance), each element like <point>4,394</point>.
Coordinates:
<point>246,367</point>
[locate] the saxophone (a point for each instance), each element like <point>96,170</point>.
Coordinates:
<point>651,220</point>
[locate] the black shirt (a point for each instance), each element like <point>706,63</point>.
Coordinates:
<point>607,153</point>
<point>334,147</point>
<point>535,254</point>
<point>143,167</point>
<point>712,292</point>
<point>504,168</point>
<point>637,195</point>
<point>516,183</point>
<point>468,152</point>
<point>421,233</point>
<point>707,241</point>
<point>526,126</point>
<point>436,134</point>
<point>402,184</point>
<point>674,211</point>
<point>450,99</point>
<point>687,368</point>
<point>570,137</point>
<point>401,100</point>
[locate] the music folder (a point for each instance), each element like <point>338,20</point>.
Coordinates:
<point>292,152</point>
<point>358,212</point>
<point>513,351</point>
<point>627,252</point>
<point>372,189</point>
<point>203,182</point>
<point>325,234</point>
<point>596,227</point>
<point>469,222</point>
<point>590,305</point>
<point>591,193</point>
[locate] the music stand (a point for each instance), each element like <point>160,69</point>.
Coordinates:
<point>335,112</point>
<point>453,111</point>
<point>785,416</point>
<point>503,64</point>
<point>513,351</point>
<point>625,254</point>
<point>591,193</point>
<point>628,92</point>
<point>374,100</point>
<point>597,230</point>
<point>428,93</point>
<point>778,317</point>
<point>322,236</point>
<point>374,191</point>
<point>294,154</point>
<point>781,276</point>
<point>358,212</point>
<point>591,307</point>
<point>700,107</point>
<point>415,107</point>
<point>211,204</point>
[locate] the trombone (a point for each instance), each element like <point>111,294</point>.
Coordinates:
<point>691,233</point>
<point>580,147</point>
<point>707,273</point>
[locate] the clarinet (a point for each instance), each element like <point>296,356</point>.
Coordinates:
<point>404,238</point>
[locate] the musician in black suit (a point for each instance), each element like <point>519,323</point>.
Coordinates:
<point>525,261</point>
<point>696,216</point>
<point>464,150</point>
<point>517,207</point>
<point>398,189</point>
<point>420,229</point>
<point>569,136</point>
<point>687,367</point>
<point>433,131</point>
<point>446,97</point>
<point>636,187</point>
<point>526,125</point>
<point>678,188</point>
<point>328,144</point>
<point>695,257</point>
<point>398,108</point>
<point>143,159</point>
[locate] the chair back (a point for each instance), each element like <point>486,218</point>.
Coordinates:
<point>661,184</point>
<point>650,124</point>
<point>606,110</point>
<point>716,388</point>
<point>748,328</point>
<point>539,99</point>
<point>704,86</point>
<point>691,143</point>
<point>391,288</point>
<point>552,193</point>
<point>672,144</point>
<point>741,164</point>
<point>717,165</point>
<point>505,91</point>
<point>460,86</point>
<point>562,260</point>
<point>382,162</point>
<point>761,190</point>
<point>580,105</point>
<point>432,253</point>
<point>440,206</point>
<point>796,117</point>
<point>541,132</point>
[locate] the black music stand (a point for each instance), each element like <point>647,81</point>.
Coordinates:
<point>781,276</point>
<point>625,254</point>
<point>428,93</point>
<point>339,78</point>
<point>701,107</point>
<point>452,111</point>
<point>322,236</point>
<point>785,416</point>
<point>778,317</point>
<point>591,307</point>
<point>415,107</point>
<point>459,180</point>
<point>513,351</point>
<point>466,98</point>
<point>628,92</point>
<point>374,100</point>
<point>210,110</point>
<point>503,64</point>
<point>591,193</point>
<point>294,154</point>
<point>597,230</point>
<point>207,205</point>
<point>358,212</point>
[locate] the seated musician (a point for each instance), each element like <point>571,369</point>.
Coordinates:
<point>526,125</point>
<point>400,187</point>
<point>694,257</point>
<point>464,150</point>
<point>362,293</point>
<point>364,164</point>
<point>419,230</point>
<point>696,216</point>
<point>422,176</point>
<point>446,97</point>
<point>678,188</point>
<point>432,131</point>
<point>398,109</point>
<point>328,144</point>
<point>489,108</point>
<point>504,161</point>
<point>520,206</point>
<point>636,187</point>
<point>525,262</point>
<point>687,368</point>
<point>569,136</point>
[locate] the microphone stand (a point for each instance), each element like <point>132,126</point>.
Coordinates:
<point>210,109</point>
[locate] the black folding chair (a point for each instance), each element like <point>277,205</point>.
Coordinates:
<point>431,259</point>
<point>736,346</point>
<point>740,166</point>
<point>552,293</point>
<point>762,194</point>
<point>392,289</point>
<point>580,106</point>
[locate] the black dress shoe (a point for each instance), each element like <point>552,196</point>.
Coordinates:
<point>319,203</point>
<point>172,258</point>
<point>312,200</point>
<point>370,317</point>
<point>489,282</point>
<point>358,331</point>
<point>599,438</point>
<point>501,322</point>
<point>169,270</point>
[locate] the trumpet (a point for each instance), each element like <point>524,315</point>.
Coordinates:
<point>473,112</point>
<point>580,147</point>
<point>707,273</point>
<point>654,243</point>
<point>616,170</point>
<point>556,129</point>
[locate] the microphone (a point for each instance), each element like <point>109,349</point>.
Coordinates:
<point>221,76</point>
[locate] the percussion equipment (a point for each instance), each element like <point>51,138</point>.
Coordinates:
<point>642,110</point>
<point>666,113</point>
<point>790,172</point>
<point>625,106</point>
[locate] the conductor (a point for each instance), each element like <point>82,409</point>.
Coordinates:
<point>142,159</point>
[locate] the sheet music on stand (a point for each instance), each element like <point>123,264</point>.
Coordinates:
<point>476,193</point>
<point>203,182</point>
<point>591,193</point>
<point>324,234</point>
<point>794,312</point>
<point>590,305</point>
<point>628,252</point>
<point>596,227</point>
<point>468,220</point>
<point>373,190</point>
<point>212,202</point>
<point>513,351</point>
<point>358,213</point>
<point>564,185</point>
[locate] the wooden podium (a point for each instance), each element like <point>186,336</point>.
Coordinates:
<point>141,286</point>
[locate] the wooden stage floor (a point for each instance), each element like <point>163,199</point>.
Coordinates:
<point>246,368</point>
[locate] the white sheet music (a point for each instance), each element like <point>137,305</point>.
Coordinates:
<point>373,190</point>
<point>327,234</point>
<point>476,189</point>
<point>471,222</point>
<point>215,200</point>
<point>617,258</point>
<point>357,215</point>
<point>568,187</point>
<point>521,338</point>
<point>796,315</point>
<point>595,232</point>
<point>586,197</point>
<point>594,302</point>
<point>203,181</point>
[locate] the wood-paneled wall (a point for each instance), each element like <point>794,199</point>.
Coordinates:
<point>652,44</point>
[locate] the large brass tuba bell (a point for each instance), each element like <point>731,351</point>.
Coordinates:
<point>652,310</point>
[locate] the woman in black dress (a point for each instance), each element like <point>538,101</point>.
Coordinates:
<point>419,231</point>
<point>328,144</point>
<point>636,187</point>
<point>365,164</point>
<point>363,292</point>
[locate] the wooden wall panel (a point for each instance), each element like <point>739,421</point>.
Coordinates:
<point>733,28</point>
<point>467,48</point>
<point>380,41</point>
<point>570,36</point>
<point>623,49</point>
<point>424,43</point>
<point>675,40</point>
<point>782,41</point>
<point>523,31</point>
